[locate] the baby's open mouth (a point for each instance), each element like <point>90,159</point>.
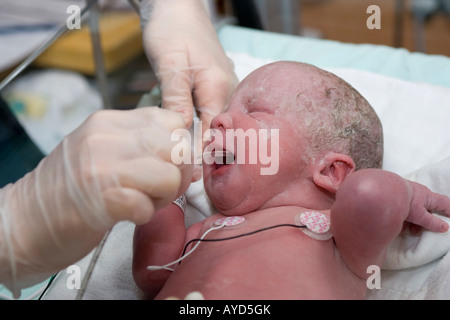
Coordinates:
<point>220,158</point>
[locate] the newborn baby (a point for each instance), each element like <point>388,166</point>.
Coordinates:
<point>309,231</point>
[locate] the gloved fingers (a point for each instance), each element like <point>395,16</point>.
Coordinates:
<point>206,89</point>
<point>206,118</point>
<point>161,183</point>
<point>211,93</point>
<point>128,204</point>
<point>167,119</point>
<point>176,82</point>
<point>174,147</point>
<point>92,179</point>
<point>152,176</point>
<point>133,119</point>
<point>106,149</point>
<point>123,157</point>
<point>116,144</point>
<point>155,141</point>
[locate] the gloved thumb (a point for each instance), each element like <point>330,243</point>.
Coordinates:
<point>176,86</point>
<point>211,94</point>
<point>129,204</point>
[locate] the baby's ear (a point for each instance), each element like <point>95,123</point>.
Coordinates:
<point>331,171</point>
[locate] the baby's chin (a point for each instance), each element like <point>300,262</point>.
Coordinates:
<point>223,202</point>
<point>233,205</point>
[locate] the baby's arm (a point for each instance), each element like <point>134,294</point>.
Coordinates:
<point>370,209</point>
<point>157,243</point>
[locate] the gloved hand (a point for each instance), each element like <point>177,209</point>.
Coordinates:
<point>185,53</point>
<point>115,166</point>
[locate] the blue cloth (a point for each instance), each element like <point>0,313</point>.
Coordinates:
<point>388,61</point>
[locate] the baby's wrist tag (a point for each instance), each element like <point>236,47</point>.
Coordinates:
<point>181,202</point>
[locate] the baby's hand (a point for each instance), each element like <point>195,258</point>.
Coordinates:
<point>423,202</point>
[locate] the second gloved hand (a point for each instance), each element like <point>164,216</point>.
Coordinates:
<point>184,50</point>
<point>115,166</point>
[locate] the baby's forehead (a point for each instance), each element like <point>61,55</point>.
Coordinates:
<point>285,83</point>
<point>287,77</point>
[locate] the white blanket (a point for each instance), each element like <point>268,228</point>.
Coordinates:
<point>418,266</point>
<point>414,117</point>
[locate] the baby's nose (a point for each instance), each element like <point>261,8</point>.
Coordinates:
<point>222,122</point>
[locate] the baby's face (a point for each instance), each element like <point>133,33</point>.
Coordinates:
<point>260,108</point>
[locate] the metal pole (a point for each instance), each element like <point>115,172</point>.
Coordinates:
<point>398,32</point>
<point>21,67</point>
<point>97,51</point>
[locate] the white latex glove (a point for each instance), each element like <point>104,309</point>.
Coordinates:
<point>184,50</point>
<point>115,166</point>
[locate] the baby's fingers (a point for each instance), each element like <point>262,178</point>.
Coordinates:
<point>431,222</point>
<point>423,203</point>
<point>439,203</point>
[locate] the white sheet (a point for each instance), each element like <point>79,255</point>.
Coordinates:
<point>415,119</point>
<point>418,267</point>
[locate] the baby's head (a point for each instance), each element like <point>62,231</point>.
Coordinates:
<point>336,116</point>
<point>319,117</point>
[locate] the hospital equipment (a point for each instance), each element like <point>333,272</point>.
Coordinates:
<point>25,63</point>
<point>409,91</point>
<point>315,222</point>
<point>96,58</point>
<point>219,224</point>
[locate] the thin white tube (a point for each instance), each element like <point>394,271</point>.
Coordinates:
<point>166,266</point>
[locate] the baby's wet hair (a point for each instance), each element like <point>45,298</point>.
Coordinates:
<point>341,120</point>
